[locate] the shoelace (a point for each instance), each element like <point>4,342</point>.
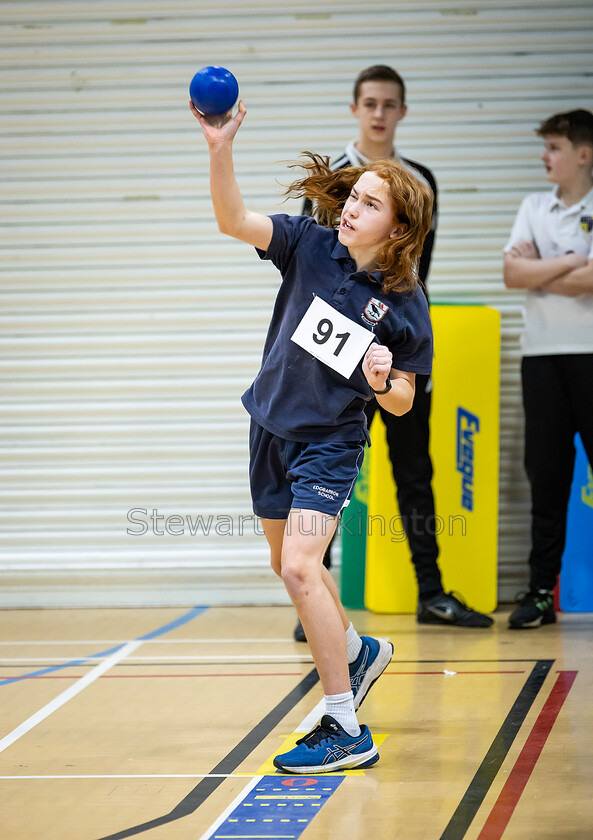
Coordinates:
<point>317,736</point>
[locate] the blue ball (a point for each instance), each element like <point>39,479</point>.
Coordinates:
<point>214,90</point>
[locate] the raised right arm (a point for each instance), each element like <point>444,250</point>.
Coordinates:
<point>231,214</point>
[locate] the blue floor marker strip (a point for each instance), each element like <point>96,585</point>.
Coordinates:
<point>160,631</point>
<point>278,807</point>
<point>173,625</point>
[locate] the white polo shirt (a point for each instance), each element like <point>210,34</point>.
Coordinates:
<point>556,324</point>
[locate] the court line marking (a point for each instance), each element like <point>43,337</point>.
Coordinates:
<point>228,811</point>
<point>165,628</point>
<point>204,641</point>
<point>172,676</point>
<point>304,726</point>
<point>137,776</point>
<point>307,724</point>
<point>221,776</point>
<point>507,801</point>
<point>446,673</point>
<point>118,654</point>
<point>68,694</point>
<point>292,656</point>
<point>205,787</point>
<point>82,660</point>
<point>309,721</point>
<point>189,658</point>
<point>481,783</point>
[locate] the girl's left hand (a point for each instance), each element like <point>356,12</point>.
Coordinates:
<point>376,366</point>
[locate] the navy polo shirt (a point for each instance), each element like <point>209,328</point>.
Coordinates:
<point>298,397</point>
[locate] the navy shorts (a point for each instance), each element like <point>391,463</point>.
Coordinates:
<point>286,474</point>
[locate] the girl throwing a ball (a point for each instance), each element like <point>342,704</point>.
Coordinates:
<point>349,324</point>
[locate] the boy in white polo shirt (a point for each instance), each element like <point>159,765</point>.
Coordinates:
<point>550,255</point>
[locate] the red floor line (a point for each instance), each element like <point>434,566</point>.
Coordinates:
<point>273,674</point>
<point>452,672</point>
<point>514,786</point>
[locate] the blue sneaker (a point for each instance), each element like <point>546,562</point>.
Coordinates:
<point>328,747</point>
<point>375,655</point>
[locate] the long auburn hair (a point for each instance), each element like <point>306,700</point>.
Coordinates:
<point>412,199</point>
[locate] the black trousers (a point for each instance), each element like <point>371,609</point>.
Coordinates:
<point>558,403</point>
<point>407,439</point>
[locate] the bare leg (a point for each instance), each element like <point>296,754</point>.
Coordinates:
<point>333,589</point>
<point>274,531</point>
<point>316,601</point>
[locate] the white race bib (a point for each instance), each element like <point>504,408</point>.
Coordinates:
<point>331,337</point>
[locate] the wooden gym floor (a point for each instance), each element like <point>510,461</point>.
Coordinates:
<point>161,724</point>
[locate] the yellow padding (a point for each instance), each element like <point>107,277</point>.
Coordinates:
<point>465,453</point>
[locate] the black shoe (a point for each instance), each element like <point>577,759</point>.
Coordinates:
<point>446,609</point>
<point>535,608</point>
<point>299,633</point>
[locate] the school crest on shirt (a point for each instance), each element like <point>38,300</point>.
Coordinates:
<point>586,223</point>
<point>374,311</point>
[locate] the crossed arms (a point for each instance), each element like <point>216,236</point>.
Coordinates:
<point>568,274</point>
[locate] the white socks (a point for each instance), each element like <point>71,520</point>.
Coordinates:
<point>353,644</point>
<point>341,708</point>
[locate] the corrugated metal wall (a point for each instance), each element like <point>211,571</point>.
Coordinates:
<point>130,326</point>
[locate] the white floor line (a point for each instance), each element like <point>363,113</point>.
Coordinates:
<point>309,722</point>
<point>150,641</point>
<point>136,776</point>
<point>305,726</point>
<point>246,790</point>
<point>250,657</point>
<point>268,657</point>
<point>240,640</point>
<point>29,642</point>
<point>69,693</point>
<point>82,659</point>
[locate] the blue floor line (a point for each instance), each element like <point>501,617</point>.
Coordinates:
<point>178,622</point>
<point>160,631</point>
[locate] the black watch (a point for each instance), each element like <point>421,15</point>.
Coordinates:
<point>385,390</point>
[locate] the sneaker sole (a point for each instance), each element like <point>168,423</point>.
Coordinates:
<point>366,759</point>
<point>433,619</point>
<point>532,625</point>
<point>381,662</point>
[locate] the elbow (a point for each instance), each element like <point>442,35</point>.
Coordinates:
<point>509,273</point>
<point>406,399</point>
<point>230,225</point>
<point>507,276</point>
<point>510,279</point>
<point>403,408</point>
<point>225,228</point>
